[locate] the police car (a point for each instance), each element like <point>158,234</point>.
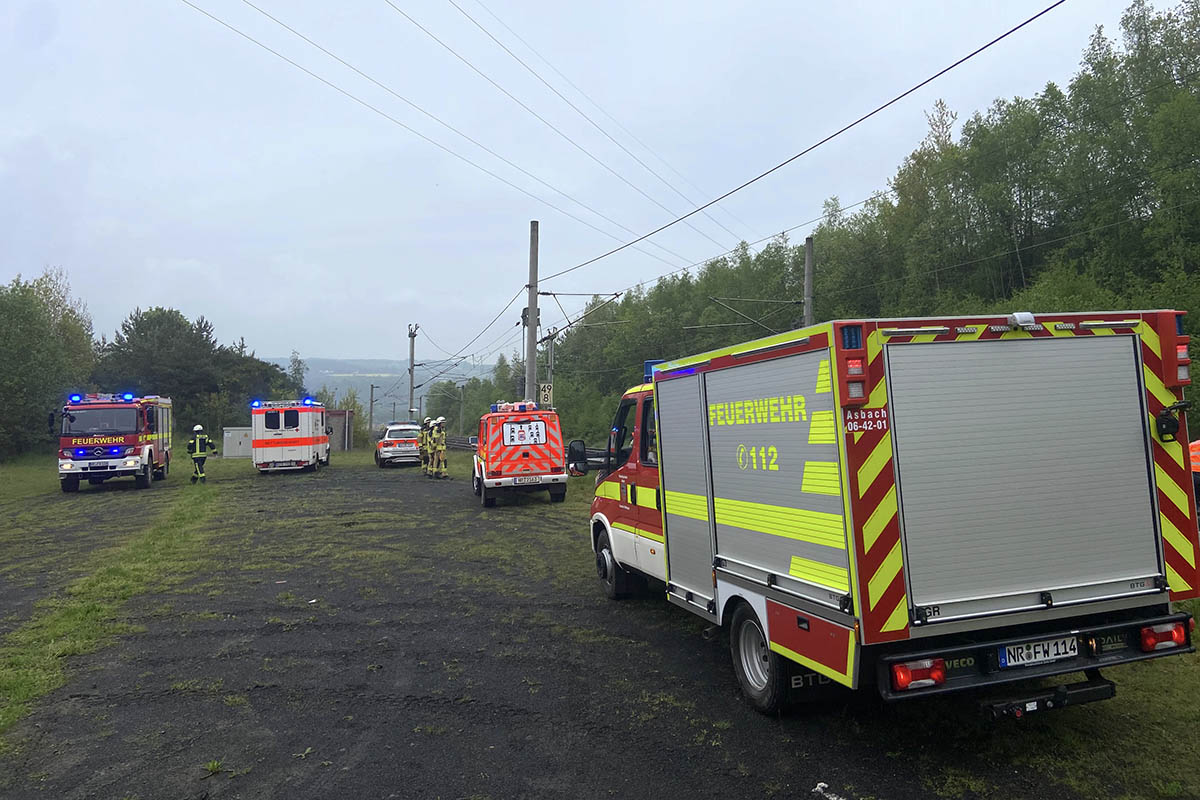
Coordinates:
<point>399,444</point>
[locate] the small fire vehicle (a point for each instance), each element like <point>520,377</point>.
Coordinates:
<point>105,436</point>
<point>520,449</point>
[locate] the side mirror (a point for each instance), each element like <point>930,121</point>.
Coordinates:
<point>329,430</point>
<point>577,463</point>
<point>473,441</point>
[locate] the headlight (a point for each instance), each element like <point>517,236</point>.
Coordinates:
<point>131,462</point>
<point>68,466</point>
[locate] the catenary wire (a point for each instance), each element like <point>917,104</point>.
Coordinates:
<point>813,146</point>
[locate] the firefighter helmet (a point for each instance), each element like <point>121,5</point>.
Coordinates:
<point>198,428</point>
<point>441,420</point>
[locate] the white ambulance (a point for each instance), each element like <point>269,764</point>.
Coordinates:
<point>289,435</point>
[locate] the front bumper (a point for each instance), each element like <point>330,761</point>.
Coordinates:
<point>978,664</point>
<point>99,467</point>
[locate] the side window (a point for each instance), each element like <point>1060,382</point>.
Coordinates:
<point>649,448</point>
<point>620,445</point>
<point>272,420</point>
<point>291,418</point>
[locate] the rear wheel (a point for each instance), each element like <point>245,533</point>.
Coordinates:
<point>70,485</point>
<point>487,500</point>
<point>558,496</point>
<point>378,460</point>
<point>761,673</point>
<point>143,478</point>
<point>614,578</point>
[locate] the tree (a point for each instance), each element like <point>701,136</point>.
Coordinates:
<point>296,372</point>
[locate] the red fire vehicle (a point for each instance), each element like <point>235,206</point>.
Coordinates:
<point>107,436</point>
<point>520,449</point>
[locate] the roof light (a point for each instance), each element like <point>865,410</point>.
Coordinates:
<point>256,403</point>
<point>76,398</point>
<point>127,396</point>
<point>308,401</point>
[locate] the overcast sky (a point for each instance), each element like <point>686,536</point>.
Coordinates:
<point>162,159</point>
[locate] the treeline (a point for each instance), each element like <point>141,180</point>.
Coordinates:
<point>1080,198</point>
<point>47,350</point>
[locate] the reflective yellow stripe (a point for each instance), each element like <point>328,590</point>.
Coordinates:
<point>821,477</point>
<point>647,497</point>
<point>817,572</point>
<point>682,504</point>
<point>1176,582</point>
<point>609,490</point>
<point>824,384</point>
<point>1171,489</point>
<point>1177,540</point>
<point>845,678</point>
<point>815,527</point>
<point>821,430</point>
<point>879,518</point>
<point>1156,387</point>
<point>1150,337</point>
<point>884,576</point>
<point>657,537</point>
<point>758,344</point>
<point>872,466</point>
<point>898,619</point>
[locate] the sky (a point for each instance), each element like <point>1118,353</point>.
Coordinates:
<point>162,159</point>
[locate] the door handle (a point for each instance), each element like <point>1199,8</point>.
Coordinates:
<point>633,493</point>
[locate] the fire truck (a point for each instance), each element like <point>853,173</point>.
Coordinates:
<point>106,436</point>
<point>520,449</point>
<point>920,506</point>
<point>289,435</point>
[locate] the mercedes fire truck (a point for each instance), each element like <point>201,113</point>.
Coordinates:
<point>105,436</point>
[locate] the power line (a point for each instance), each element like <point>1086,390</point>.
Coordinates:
<point>591,121</point>
<point>395,121</point>
<point>814,146</point>
<point>547,123</point>
<point>613,119</point>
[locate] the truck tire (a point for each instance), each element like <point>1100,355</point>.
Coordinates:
<point>761,673</point>
<point>558,496</point>
<point>612,575</point>
<point>476,485</point>
<point>70,485</point>
<point>143,478</point>
<point>485,499</point>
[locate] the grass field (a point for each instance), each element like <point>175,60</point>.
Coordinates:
<point>343,631</point>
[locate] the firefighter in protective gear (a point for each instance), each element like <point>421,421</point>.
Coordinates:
<point>439,448</point>
<point>200,447</point>
<point>423,442</point>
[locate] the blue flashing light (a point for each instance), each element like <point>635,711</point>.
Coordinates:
<point>495,407</point>
<point>308,401</point>
<point>127,396</point>
<point>76,398</point>
<point>256,403</point>
<point>81,452</point>
<point>852,337</point>
<point>648,368</point>
<point>116,451</point>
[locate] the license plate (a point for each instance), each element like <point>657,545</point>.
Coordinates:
<point>1022,655</point>
<point>528,479</point>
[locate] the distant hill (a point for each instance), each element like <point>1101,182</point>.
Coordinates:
<point>341,374</point>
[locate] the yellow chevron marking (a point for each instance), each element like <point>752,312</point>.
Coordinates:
<point>879,518</point>
<point>980,329</point>
<point>874,463</point>
<point>1177,540</point>
<point>821,477</point>
<point>817,572</point>
<point>682,504</point>
<point>824,384</point>
<point>874,345</point>
<point>1176,581</point>
<point>844,678</point>
<point>884,576</point>
<point>1150,337</point>
<point>1171,489</point>
<point>1053,331</point>
<point>1156,386</point>
<point>815,527</point>
<point>609,490</point>
<point>1098,331</point>
<point>898,619</point>
<point>821,429</point>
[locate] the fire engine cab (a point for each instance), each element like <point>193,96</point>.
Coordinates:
<point>107,436</point>
<point>288,435</point>
<point>520,449</point>
<point>916,505</point>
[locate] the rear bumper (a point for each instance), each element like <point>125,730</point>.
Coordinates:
<point>100,467</point>
<point>398,454</point>
<point>977,665</point>
<point>276,466</point>
<point>542,482</point>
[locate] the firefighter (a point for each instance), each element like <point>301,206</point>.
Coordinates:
<point>439,448</point>
<point>200,447</point>
<point>423,441</point>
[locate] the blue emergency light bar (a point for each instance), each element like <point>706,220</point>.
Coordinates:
<point>648,369</point>
<point>256,403</point>
<point>308,401</point>
<point>127,396</point>
<point>76,398</point>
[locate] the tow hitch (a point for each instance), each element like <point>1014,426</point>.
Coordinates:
<point>1096,687</point>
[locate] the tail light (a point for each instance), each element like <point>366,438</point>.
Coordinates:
<point>556,470</point>
<point>918,674</point>
<point>1163,637</point>
<point>856,390</point>
<point>493,473</point>
<point>854,366</point>
<point>1184,365</point>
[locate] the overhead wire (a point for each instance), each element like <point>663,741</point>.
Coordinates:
<point>813,146</point>
<point>546,122</point>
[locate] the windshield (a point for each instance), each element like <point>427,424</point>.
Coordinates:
<point>401,433</point>
<point>93,421</point>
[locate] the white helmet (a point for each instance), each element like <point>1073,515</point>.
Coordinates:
<point>428,420</point>
<point>441,420</point>
<point>198,428</point>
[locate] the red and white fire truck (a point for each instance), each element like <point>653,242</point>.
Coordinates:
<point>520,449</point>
<point>917,505</point>
<point>288,435</point>
<point>105,436</point>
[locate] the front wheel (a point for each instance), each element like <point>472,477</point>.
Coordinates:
<point>761,672</point>
<point>142,479</point>
<point>476,485</point>
<point>70,485</point>
<point>612,576</point>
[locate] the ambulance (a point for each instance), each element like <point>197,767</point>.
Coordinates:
<point>916,506</point>
<point>520,449</point>
<point>106,436</point>
<point>289,435</point>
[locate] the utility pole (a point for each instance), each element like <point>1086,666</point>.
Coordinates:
<point>371,411</point>
<point>532,316</point>
<point>393,411</point>
<point>412,349</point>
<point>808,278</point>
<point>550,355</point>
<point>462,400</point>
